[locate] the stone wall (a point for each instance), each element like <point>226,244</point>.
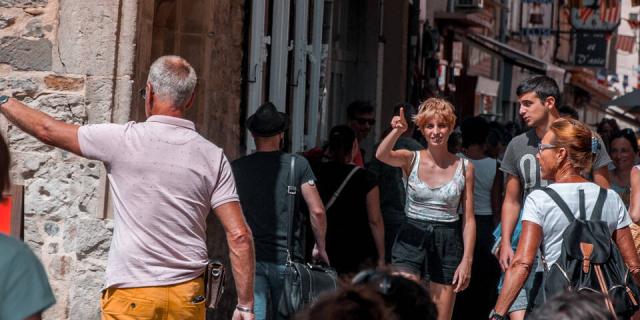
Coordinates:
<point>72,60</point>
<point>79,61</point>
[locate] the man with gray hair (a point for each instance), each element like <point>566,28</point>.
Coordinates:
<point>165,178</point>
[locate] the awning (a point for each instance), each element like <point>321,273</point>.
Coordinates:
<point>629,102</point>
<point>513,55</point>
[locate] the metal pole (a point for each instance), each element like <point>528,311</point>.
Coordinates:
<point>257,56</point>
<point>315,59</point>
<point>279,54</point>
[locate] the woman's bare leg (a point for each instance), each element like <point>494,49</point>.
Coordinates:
<point>444,298</point>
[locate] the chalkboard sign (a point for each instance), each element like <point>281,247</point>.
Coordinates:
<point>591,49</point>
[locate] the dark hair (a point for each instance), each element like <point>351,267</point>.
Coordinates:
<point>626,134</point>
<point>5,162</point>
<point>405,297</point>
<point>566,110</point>
<point>358,107</point>
<point>474,131</point>
<point>570,305</point>
<point>608,121</point>
<point>350,303</point>
<point>543,86</point>
<point>340,144</point>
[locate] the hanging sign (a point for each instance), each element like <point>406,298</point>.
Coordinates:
<point>537,17</point>
<point>591,49</point>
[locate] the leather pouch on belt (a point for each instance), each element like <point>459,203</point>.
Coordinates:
<point>214,279</point>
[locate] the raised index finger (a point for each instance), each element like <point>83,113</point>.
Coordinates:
<point>402,114</point>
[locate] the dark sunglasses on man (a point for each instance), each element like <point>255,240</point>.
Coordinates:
<point>363,121</point>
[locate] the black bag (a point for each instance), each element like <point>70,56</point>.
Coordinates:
<point>303,282</point>
<point>590,260</point>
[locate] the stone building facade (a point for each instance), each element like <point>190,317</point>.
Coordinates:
<point>83,62</point>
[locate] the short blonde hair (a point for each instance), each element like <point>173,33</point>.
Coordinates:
<point>575,137</point>
<point>435,107</point>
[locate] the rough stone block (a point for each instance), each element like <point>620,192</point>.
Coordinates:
<point>24,54</point>
<point>63,83</point>
<point>34,29</point>
<point>99,99</point>
<point>93,238</point>
<point>87,37</point>
<point>27,86</point>
<point>6,21</point>
<point>60,267</point>
<point>51,228</point>
<point>23,3</point>
<point>32,233</point>
<point>85,297</point>
<point>52,248</point>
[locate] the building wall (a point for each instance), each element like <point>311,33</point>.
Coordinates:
<point>626,63</point>
<point>75,61</point>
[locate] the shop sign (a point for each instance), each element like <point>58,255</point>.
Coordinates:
<point>537,18</point>
<point>591,49</point>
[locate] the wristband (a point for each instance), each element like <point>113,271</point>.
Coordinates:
<point>244,309</point>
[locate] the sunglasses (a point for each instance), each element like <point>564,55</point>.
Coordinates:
<point>544,146</point>
<point>363,121</point>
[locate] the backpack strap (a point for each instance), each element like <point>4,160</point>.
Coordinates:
<point>596,214</point>
<point>583,211</point>
<point>561,204</point>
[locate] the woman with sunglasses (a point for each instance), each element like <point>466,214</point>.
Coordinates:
<point>436,242</point>
<point>566,150</point>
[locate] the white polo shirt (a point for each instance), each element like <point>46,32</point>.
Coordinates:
<point>164,178</point>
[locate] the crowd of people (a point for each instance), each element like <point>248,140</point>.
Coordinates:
<point>449,219</point>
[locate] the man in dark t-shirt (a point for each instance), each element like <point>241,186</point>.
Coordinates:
<point>262,179</point>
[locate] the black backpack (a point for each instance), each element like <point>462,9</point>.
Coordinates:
<point>590,260</point>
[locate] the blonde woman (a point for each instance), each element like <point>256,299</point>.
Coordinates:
<point>435,243</point>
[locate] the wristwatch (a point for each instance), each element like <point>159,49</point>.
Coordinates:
<point>3,99</point>
<point>495,316</point>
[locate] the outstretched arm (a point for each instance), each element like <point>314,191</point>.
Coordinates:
<point>42,126</point>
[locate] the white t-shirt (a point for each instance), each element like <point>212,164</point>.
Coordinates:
<point>540,209</point>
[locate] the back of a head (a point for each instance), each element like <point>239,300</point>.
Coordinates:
<point>358,107</point>
<point>350,303</point>
<point>173,79</point>
<point>5,163</point>
<point>573,306</point>
<point>341,140</point>
<point>408,299</point>
<point>567,111</point>
<point>577,139</point>
<point>543,86</point>
<point>475,131</point>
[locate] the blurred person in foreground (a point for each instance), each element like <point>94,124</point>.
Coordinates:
<point>583,305</point>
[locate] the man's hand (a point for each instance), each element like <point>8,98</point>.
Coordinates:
<point>399,122</point>
<point>320,255</point>
<point>241,315</point>
<point>505,256</point>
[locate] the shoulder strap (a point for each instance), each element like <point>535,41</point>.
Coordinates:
<point>339,190</point>
<point>291,194</point>
<point>583,211</point>
<point>558,200</point>
<point>596,214</point>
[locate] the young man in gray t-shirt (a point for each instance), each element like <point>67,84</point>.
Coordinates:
<point>538,97</point>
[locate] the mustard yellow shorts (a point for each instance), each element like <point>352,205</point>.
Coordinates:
<point>172,302</point>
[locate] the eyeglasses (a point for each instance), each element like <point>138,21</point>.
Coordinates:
<point>143,93</point>
<point>363,121</point>
<point>544,146</point>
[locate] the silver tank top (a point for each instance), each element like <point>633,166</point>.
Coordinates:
<point>439,204</point>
